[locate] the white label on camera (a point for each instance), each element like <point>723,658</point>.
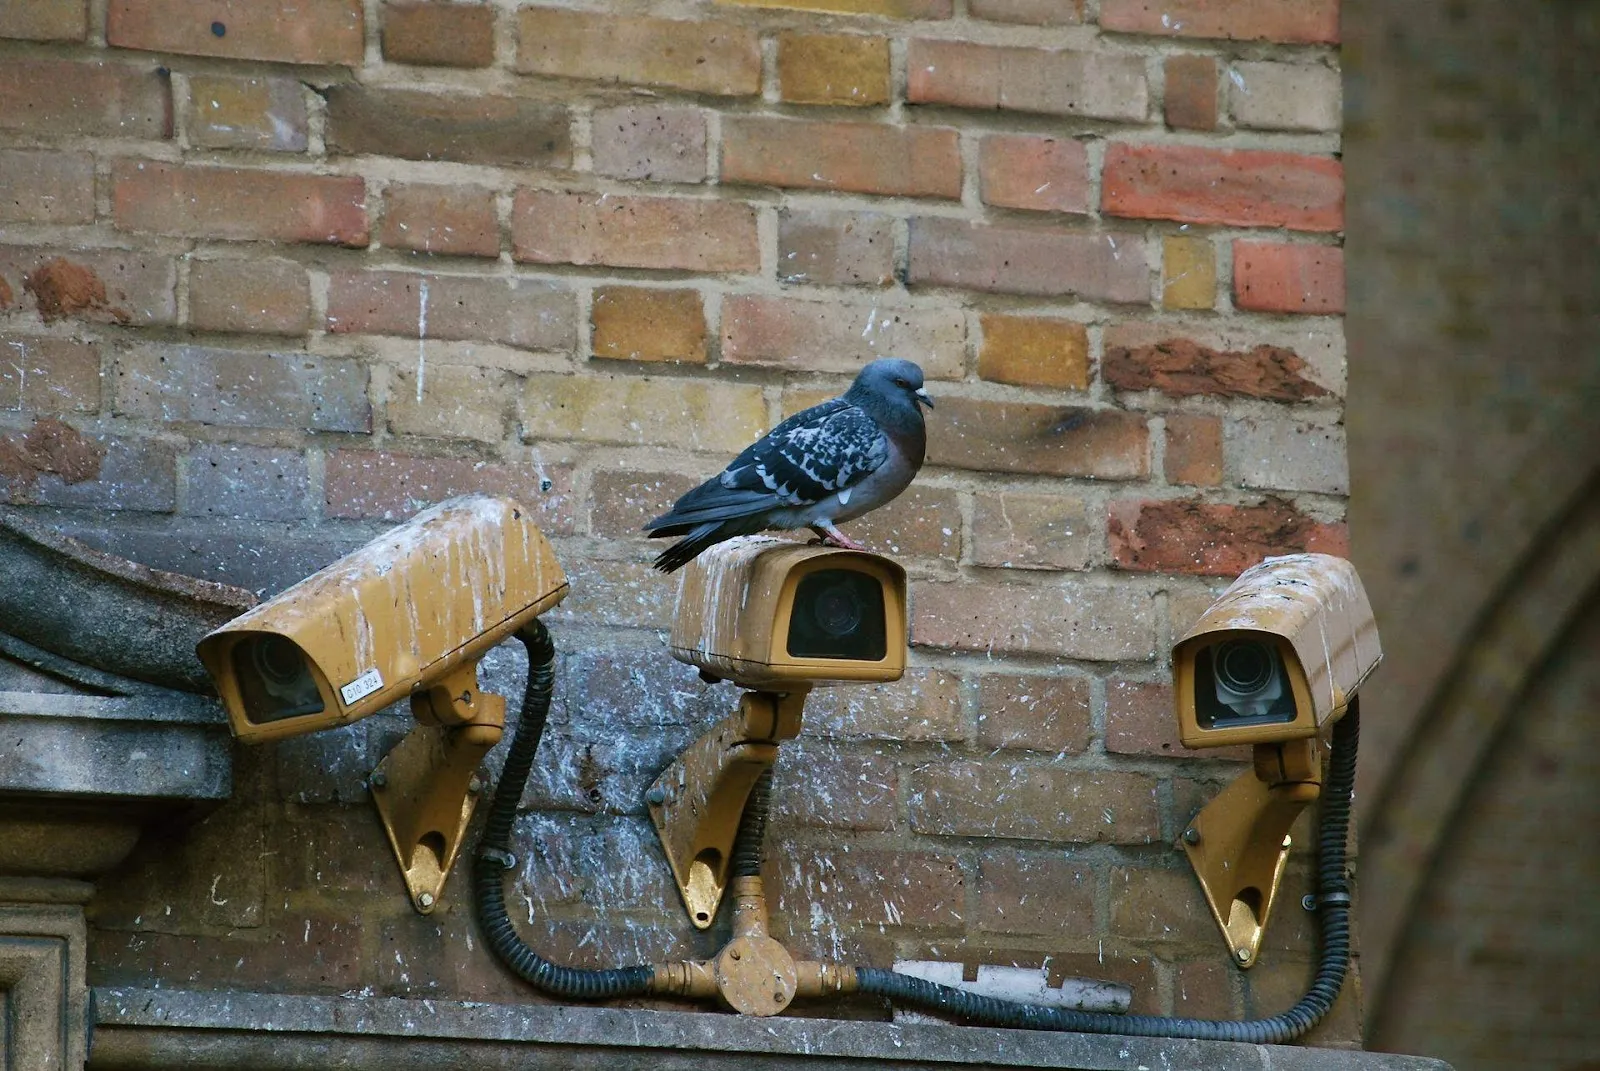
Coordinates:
<point>361,687</point>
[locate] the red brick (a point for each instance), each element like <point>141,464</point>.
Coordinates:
<point>1237,187</point>
<point>449,401</point>
<point>388,486</point>
<point>1034,893</point>
<point>1184,368</point>
<point>1033,351</point>
<point>53,464</point>
<point>46,187</point>
<point>438,34</point>
<point>285,31</point>
<point>101,285</point>
<point>822,784</point>
<point>883,9</point>
<point>243,388</point>
<point>527,313</point>
<point>470,128</point>
<point>49,375</point>
<point>1140,719</point>
<point>907,161</point>
<point>635,323</point>
<point>450,220</point>
<point>253,482</point>
<point>232,203</point>
<point>1072,620</point>
<point>1048,803</point>
<point>1054,82</point>
<point>46,20</point>
<point>264,295</point>
<point>1051,440</point>
<point>699,56</point>
<point>1034,713</point>
<point>1275,277</point>
<point>817,336</point>
<point>1028,260</point>
<point>925,704</point>
<point>847,69</point>
<point>1013,530</point>
<point>886,888</point>
<point>1040,173</point>
<point>1194,450</point>
<point>1288,21</point>
<point>61,98</point>
<point>835,248</point>
<point>1031,12</point>
<point>1166,906</point>
<point>624,501</point>
<point>1191,92</point>
<point>227,112</point>
<point>654,142</point>
<point>634,232</point>
<point>1189,536</point>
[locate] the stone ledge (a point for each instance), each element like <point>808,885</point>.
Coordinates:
<point>159,1028</point>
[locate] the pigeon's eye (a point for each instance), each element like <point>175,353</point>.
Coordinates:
<point>902,383</point>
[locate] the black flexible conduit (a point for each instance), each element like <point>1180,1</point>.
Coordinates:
<point>748,849</point>
<point>1333,910</point>
<point>494,856</point>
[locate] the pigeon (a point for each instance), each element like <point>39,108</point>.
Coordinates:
<point>824,465</point>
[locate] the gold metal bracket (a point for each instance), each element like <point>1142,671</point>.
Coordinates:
<point>1239,842</point>
<point>697,801</point>
<point>426,787</point>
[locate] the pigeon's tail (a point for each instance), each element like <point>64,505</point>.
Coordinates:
<point>702,537</point>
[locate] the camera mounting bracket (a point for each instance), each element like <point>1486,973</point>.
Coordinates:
<point>697,801</point>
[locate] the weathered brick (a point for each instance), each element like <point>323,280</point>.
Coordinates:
<point>46,187</point>
<point>527,313</point>
<point>1052,81</point>
<point>62,98</point>
<point>635,323</point>
<point>835,248</point>
<point>49,375</point>
<point>905,161</point>
<point>285,31</point>
<point>1030,12</point>
<point>1190,536</point>
<point>1285,96</point>
<point>1013,530</point>
<point>1076,620</point>
<point>228,112</point>
<point>1010,800</point>
<point>423,957</point>
<point>827,68</point>
<point>1028,171</point>
<point>46,20</point>
<point>1277,277</point>
<point>925,704</point>
<point>1140,719</point>
<point>624,501</point>
<point>1204,989</point>
<point>922,522</point>
<point>452,220</point>
<point>243,388</point>
<point>816,336</point>
<point>615,594</point>
<point>1283,455</point>
<point>102,285</point>
<point>53,464</point>
<point>1149,904</point>
<point>233,203</point>
<point>1188,273</point>
<point>699,56</point>
<point>885,9</point>
<point>267,295</point>
<point>438,35</point>
<point>1191,92</point>
<point>634,232</point>
<point>252,482</point>
<point>1034,351</point>
<point>1228,360</point>
<point>654,142</point>
<point>620,690</point>
<point>450,401</point>
<point>1193,450</point>
<point>1033,713</point>
<point>875,887</point>
<point>823,784</point>
<point>303,952</point>
<point>1026,260</point>
<point>474,129</point>
<point>635,411</point>
<point>1288,21</point>
<point>1034,893</point>
<point>1277,983</point>
<point>1029,437</point>
<point>1238,187</point>
<point>392,486</point>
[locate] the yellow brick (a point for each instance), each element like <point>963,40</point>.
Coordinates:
<point>1188,273</point>
<point>1034,352</point>
<point>457,402</point>
<point>643,411</point>
<point>635,323</point>
<point>826,68</point>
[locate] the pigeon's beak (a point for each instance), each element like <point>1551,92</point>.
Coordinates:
<point>922,396</point>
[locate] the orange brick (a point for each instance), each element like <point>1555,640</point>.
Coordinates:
<point>45,20</point>
<point>454,220</point>
<point>261,294</point>
<point>1288,21</point>
<point>816,68</point>
<point>720,58</point>
<point>101,285</point>
<point>1274,277</point>
<point>233,203</point>
<point>635,323</point>
<point>527,313</point>
<point>1138,358</point>
<point>284,31</point>
<point>1028,171</point>
<point>1188,273</point>
<point>1140,719</point>
<point>1073,620</point>
<point>1054,82</point>
<point>1013,530</point>
<point>1033,351</point>
<point>49,375</point>
<point>1038,713</point>
<point>1194,450</point>
<point>1048,803</point>
<point>907,161</point>
<point>1243,188</point>
<point>438,34</point>
<point>1190,536</point>
<point>227,112</point>
<point>634,232</point>
<point>819,336</point>
<point>1191,92</point>
<point>1051,440</point>
<point>1028,260</point>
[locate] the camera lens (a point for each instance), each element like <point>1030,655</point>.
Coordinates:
<point>838,610</point>
<point>1244,667</point>
<point>275,680</point>
<point>1241,682</point>
<point>277,660</point>
<point>838,613</point>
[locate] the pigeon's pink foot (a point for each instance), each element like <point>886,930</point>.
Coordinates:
<point>832,537</point>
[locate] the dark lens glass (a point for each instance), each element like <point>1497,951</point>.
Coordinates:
<point>275,680</point>
<point>1241,682</point>
<point>1244,668</point>
<point>838,613</point>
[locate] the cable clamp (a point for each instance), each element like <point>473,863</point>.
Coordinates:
<point>495,855</point>
<point>1333,899</point>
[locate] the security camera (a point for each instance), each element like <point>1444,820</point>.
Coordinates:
<point>1278,656</point>
<point>771,614</point>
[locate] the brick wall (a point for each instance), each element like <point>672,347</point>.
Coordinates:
<point>274,275</point>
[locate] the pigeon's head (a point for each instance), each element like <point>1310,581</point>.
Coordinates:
<point>894,384</point>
